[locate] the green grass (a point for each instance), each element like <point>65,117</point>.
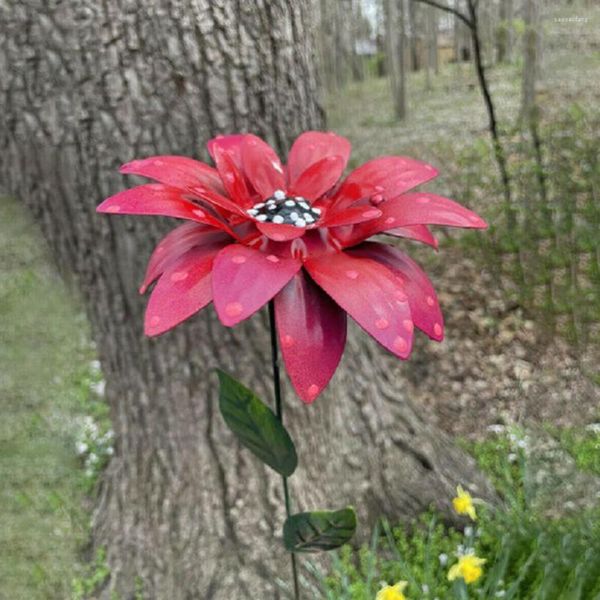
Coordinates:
<point>45,356</point>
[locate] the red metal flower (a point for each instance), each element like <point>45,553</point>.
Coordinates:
<point>259,230</point>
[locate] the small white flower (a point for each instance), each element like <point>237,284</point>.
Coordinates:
<point>443,558</point>
<point>99,387</point>
<point>468,531</point>
<point>512,457</point>
<point>425,588</point>
<point>496,428</point>
<point>82,447</point>
<point>522,444</point>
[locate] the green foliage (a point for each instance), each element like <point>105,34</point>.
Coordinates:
<point>256,426</point>
<point>319,530</point>
<point>545,246</point>
<point>584,446</point>
<point>97,572</point>
<point>529,557</point>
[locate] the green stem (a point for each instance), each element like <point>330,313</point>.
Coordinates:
<point>279,413</point>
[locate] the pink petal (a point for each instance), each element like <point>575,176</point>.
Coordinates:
<point>232,177</point>
<point>245,279</point>
<point>424,305</point>
<point>387,176</point>
<point>312,335</point>
<point>311,147</point>
<point>319,178</point>
<point>177,243</point>
<point>158,199</point>
<point>227,144</point>
<point>175,171</point>
<point>370,294</point>
<point>183,289</point>
<point>262,166</point>
<point>419,233</point>
<point>429,209</point>
<point>350,216</point>
<point>280,233</point>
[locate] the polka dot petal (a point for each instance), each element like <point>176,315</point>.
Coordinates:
<point>242,288</point>
<point>424,307</point>
<point>312,335</point>
<point>370,300</point>
<point>176,298</point>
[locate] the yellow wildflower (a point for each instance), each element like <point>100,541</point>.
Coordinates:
<point>463,503</point>
<point>392,592</point>
<point>469,567</point>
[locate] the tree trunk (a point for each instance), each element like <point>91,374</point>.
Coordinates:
<point>415,62</point>
<point>87,85</point>
<point>504,34</point>
<point>530,59</point>
<point>432,44</point>
<point>396,54</point>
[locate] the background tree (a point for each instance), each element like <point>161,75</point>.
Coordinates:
<point>395,33</point>
<point>531,51</point>
<point>432,44</point>
<point>504,31</point>
<point>89,87</point>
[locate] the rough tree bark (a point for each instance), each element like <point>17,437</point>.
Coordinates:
<point>87,85</point>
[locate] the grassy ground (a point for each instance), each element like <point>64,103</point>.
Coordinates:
<point>44,375</point>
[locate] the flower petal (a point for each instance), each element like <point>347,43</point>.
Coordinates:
<point>428,209</point>
<point>371,295</point>
<point>312,335</point>
<point>280,233</point>
<point>244,279</point>
<point>319,178</point>
<point>232,177</point>
<point>424,305</point>
<point>175,171</point>
<point>350,216</point>
<point>227,144</point>
<point>419,233</point>
<point>312,146</point>
<point>387,176</point>
<point>183,289</point>
<point>175,244</point>
<point>158,199</point>
<point>262,166</point>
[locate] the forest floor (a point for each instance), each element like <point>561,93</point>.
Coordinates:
<point>496,365</point>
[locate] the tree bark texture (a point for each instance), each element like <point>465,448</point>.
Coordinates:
<point>87,85</point>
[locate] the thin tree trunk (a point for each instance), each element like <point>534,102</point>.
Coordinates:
<point>396,54</point>
<point>87,85</point>
<point>504,34</point>
<point>415,62</point>
<point>530,58</point>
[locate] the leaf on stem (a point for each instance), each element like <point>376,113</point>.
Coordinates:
<point>256,426</point>
<point>319,530</point>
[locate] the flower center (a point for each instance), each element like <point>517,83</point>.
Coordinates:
<point>285,210</point>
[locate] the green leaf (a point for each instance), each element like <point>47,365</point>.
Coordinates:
<point>256,426</point>
<point>319,530</point>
